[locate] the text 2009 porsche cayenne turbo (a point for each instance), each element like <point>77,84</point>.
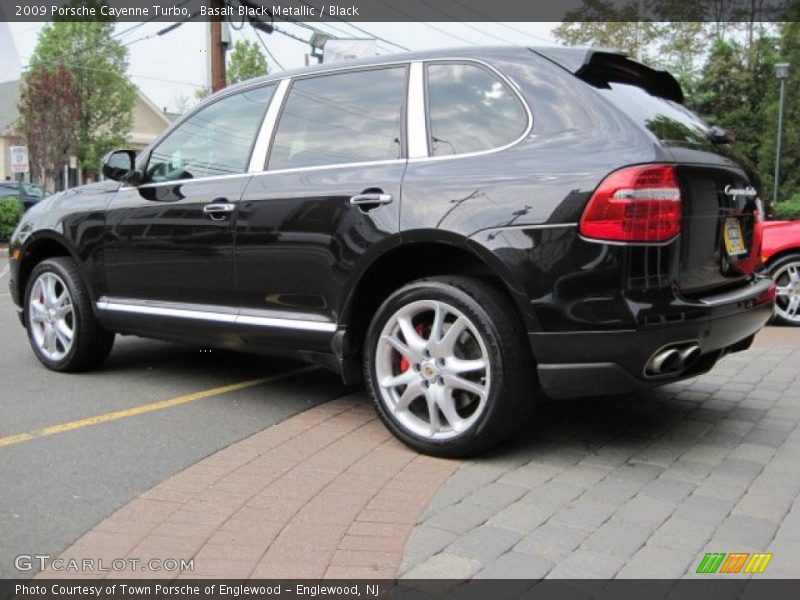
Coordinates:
<point>466,230</point>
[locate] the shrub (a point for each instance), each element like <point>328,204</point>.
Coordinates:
<point>10,213</point>
<point>788,209</point>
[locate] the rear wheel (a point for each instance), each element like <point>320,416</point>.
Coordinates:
<point>62,328</point>
<point>447,364</point>
<point>786,273</point>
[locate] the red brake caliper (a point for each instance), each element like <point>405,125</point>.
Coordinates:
<point>404,364</point>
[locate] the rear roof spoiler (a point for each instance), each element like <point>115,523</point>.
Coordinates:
<point>601,66</point>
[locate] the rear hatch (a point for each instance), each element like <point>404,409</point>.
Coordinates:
<point>719,240</point>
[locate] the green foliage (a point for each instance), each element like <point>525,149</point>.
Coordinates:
<point>98,63</point>
<point>601,23</point>
<point>10,214</point>
<point>788,210</point>
<point>730,93</point>
<point>723,53</point>
<point>789,182</point>
<point>246,61</point>
<point>667,34</point>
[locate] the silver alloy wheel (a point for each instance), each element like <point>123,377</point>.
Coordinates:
<point>432,370</point>
<point>787,301</point>
<point>51,316</point>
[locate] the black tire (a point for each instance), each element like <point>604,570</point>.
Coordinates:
<point>511,384</point>
<point>777,271</point>
<point>91,344</point>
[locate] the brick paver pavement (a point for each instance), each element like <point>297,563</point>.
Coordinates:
<point>629,487</point>
<point>327,493</point>
<point>633,487</point>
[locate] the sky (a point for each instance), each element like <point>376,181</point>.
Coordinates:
<point>171,67</point>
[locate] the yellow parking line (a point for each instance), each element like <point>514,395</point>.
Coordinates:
<point>145,408</point>
<point>15,439</point>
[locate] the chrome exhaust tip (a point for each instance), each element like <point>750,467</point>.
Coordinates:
<point>673,359</point>
<point>666,361</point>
<point>689,355</point>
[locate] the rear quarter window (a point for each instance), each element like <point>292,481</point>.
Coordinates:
<point>471,110</point>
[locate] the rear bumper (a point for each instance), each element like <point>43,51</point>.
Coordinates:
<point>584,363</point>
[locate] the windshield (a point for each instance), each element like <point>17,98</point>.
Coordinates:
<point>32,190</point>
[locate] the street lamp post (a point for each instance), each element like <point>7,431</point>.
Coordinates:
<point>782,73</point>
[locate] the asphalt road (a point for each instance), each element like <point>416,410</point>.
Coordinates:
<point>54,488</point>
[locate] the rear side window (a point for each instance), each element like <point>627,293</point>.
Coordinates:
<point>341,118</point>
<point>670,122</point>
<point>471,110</point>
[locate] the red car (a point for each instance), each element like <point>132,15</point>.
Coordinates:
<point>780,251</point>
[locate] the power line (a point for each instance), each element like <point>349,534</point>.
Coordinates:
<point>289,35</point>
<point>339,30</point>
<point>428,25</point>
<point>357,28</point>
<point>70,65</point>
<point>452,18</point>
<point>507,26</point>
<point>268,51</point>
<point>129,29</point>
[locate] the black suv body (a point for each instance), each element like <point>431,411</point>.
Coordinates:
<point>463,228</point>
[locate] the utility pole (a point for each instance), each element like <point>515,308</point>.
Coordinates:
<point>782,73</point>
<point>217,48</point>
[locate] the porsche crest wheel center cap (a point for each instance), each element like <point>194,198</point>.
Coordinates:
<point>429,371</point>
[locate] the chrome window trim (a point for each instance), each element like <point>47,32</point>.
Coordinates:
<point>416,123</point>
<point>176,311</point>
<point>339,69</point>
<point>178,182</point>
<point>258,158</point>
<point>369,163</point>
<point>510,83</point>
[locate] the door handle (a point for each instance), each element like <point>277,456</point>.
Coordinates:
<point>219,210</point>
<point>371,198</point>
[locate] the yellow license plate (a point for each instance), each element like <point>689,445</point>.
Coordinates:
<point>734,239</point>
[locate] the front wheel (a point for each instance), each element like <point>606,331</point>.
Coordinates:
<point>786,274</point>
<point>448,366</point>
<point>62,328</point>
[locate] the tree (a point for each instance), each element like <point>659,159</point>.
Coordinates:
<point>608,24</point>
<point>789,183</point>
<point>730,94</point>
<point>246,61</point>
<point>49,107</point>
<point>98,64</point>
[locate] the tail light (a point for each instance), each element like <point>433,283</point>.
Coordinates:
<point>635,204</point>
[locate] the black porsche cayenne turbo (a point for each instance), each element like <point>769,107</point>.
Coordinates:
<point>465,230</point>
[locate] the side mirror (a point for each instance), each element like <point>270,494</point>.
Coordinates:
<point>120,165</point>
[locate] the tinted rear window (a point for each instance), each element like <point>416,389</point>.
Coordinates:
<point>670,122</point>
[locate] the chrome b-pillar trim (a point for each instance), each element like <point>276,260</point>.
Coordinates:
<point>258,158</point>
<point>416,124</point>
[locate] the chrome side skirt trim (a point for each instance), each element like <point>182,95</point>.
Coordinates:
<point>286,323</point>
<point>174,311</point>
